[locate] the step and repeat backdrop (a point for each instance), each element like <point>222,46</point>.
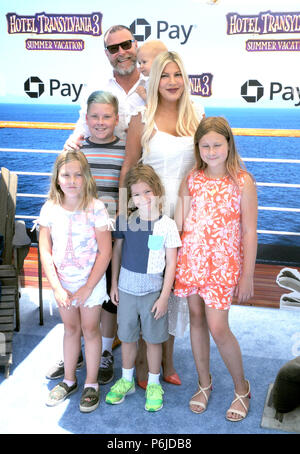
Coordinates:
<point>237,53</point>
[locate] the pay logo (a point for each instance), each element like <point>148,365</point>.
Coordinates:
<point>252,91</point>
<point>141,30</point>
<point>34,87</point>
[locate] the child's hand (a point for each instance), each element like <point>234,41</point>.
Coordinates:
<point>140,90</point>
<point>81,295</point>
<point>62,297</point>
<point>114,295</point>
<point>160,308</point>
<point>244,290</point>
<point>73,143</point>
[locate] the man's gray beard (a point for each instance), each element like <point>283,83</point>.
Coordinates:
<point>125,72</point>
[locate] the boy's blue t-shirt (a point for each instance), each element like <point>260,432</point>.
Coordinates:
<point>135,252</point>
<point>144,252</point>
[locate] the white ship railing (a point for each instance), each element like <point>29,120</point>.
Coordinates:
<point>236,131</point>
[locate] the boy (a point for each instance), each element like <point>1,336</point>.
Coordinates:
<point>105,154</point>
<point>145,250</point>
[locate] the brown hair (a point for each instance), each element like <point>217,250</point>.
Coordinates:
<point>146,174</point>
<point>220,125</point>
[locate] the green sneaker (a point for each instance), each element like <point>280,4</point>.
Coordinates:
<point>154,397</point>
<point>119,391</point>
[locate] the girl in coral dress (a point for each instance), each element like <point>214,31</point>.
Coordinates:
<point>217,213</point>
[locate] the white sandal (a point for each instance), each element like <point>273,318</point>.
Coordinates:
<point>200,404</point>
<point>239,398</point>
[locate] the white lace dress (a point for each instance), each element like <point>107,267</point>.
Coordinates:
<point>172,158</point>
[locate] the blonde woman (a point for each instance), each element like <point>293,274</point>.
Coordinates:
<point>161,134</point>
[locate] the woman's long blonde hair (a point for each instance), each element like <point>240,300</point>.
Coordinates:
<point>187,121</point>
<point>89,191</point>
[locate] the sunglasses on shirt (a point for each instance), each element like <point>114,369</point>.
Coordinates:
<point>113,49</point>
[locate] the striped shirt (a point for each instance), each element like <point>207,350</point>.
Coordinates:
<point>105,162</point>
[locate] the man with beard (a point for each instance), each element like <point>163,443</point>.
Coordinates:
<point>121,51</point>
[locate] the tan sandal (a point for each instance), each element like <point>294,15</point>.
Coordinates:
<point>201,404</point>
<point>239,398</point>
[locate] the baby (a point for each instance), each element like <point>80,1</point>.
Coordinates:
<point>145,55</point>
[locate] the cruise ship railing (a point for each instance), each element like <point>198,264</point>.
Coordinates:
<point>236,132</point>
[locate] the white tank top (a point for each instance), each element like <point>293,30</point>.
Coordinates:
<point>172,158</point>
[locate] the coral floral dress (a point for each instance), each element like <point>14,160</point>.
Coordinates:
<point>211,252</point>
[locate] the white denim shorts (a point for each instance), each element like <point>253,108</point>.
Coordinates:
<point>98,296</point>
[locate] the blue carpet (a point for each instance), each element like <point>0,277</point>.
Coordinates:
<point>267,340</point>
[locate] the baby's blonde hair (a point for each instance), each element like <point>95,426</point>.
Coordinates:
<point>154,46</point>
<point>89,190</point>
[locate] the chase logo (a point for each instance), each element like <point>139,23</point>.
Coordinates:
<point>141,29</point>
<point>252,91</point>
<point>34,87</point>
